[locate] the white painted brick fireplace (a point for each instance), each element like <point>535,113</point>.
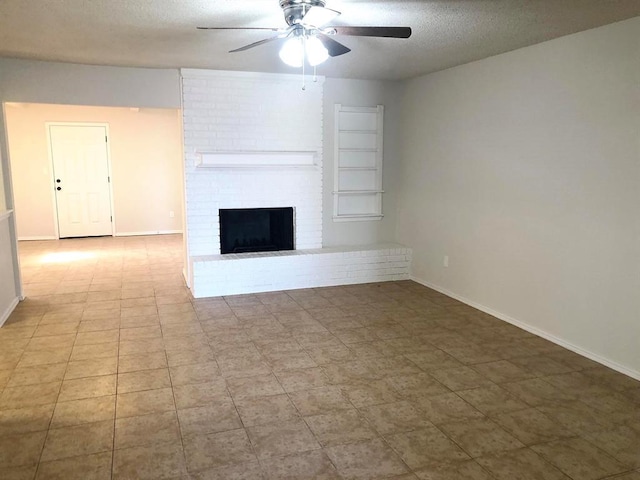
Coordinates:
<point>253,119</point>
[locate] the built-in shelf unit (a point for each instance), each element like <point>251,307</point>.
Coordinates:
<point>358,190</point>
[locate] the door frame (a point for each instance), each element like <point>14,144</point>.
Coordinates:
<point>53,174</point>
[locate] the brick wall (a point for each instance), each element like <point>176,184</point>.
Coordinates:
<point>239,112</point>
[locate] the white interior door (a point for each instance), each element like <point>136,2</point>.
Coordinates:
<point>81,176</point>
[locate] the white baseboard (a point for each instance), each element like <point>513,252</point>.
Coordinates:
<point>154,232</point>
<point>536,331</point>
<point>20,239</point>
<point>10,308</point>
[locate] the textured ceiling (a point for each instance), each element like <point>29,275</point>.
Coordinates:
<point>162,33</point>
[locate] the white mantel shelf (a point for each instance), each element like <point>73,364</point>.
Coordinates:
<point>257,159</point>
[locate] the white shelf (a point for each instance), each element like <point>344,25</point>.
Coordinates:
<point>357,169</point>
<point>257,159</point>
<point>358,156</point>
<point>358,192</point>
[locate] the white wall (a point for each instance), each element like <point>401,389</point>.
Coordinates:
<point>8,289</point>
<point>362,93</point>
<point>524,169</point>
<point>146,166</point>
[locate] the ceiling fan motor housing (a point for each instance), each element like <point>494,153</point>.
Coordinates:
<point>295,10</point>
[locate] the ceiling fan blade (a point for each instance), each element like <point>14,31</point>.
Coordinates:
<point>319,16</point>
<point>389,32</point>
<point>238,28</point>
<point>256,44</point>
<point>334,48</point>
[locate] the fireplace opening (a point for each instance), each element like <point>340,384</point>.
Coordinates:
<point>256,229</point>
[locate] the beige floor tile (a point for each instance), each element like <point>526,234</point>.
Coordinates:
<point>25,420</point>
<point>292,360</point>
<point>86,467</point>
<point>36,375</point>
<point>307,465</point>
<point>502,371</point>
<point>21,450</point>
<point>99,351</point>
<point>141,346</point>
<point>522,464</point>
<point>18,473</point>
<point>282,438</point>
<point>370,393</point>
<point>202,354</point>
<point>239,471</point>
<point>156,428</point>
<point>148,361</point>
<point>433,360</point>
<point>154,462</point>
<point>366,461</point>
<point>143,380</point>
<point>576,416</point>
<point>395,417</point>
<point>218,449</point>
<point>320,400</point>
<point>492,400</point>
<point>29,395</point>
<point>419,448</point>
<point>540,365</point>
<point>83,439</point>
<point>621,443</point>
<point>446,408</point>
<point>88,410</point>
<point>198,373</point>
<point>296,380</point>
<point>579,459</point>
<point>87,388</point>
<point>51,342</point>
<point>265,409</point>
<point>144,321</point>
<point>480,437</point>
<point>91,368</point>
<point>261,385</point>
<point>45,330</point>
<point>467,470</point>
<point>530,426</point>
<point>200,394</point>
<point>138,333</point>
<point>417,386</point>
<point>44,357</point>
<point>242,367</point>
<point>94,338</point>
<point>461,378</point>
<point>219,415</point>
<point>345,426</point>
<point>536,392</point>
<point>143,403</point>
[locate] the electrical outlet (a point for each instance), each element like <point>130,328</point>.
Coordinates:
<point>171,214</point>
<point>445,261</point>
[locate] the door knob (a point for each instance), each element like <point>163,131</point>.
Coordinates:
<point>59,188</point>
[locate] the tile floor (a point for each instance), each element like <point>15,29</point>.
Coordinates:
<point>111,370</point>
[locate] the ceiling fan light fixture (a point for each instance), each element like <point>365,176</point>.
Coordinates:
<point>316,51</point>
<point>292,52</point>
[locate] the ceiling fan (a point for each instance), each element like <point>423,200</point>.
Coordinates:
<point>309,37</point>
